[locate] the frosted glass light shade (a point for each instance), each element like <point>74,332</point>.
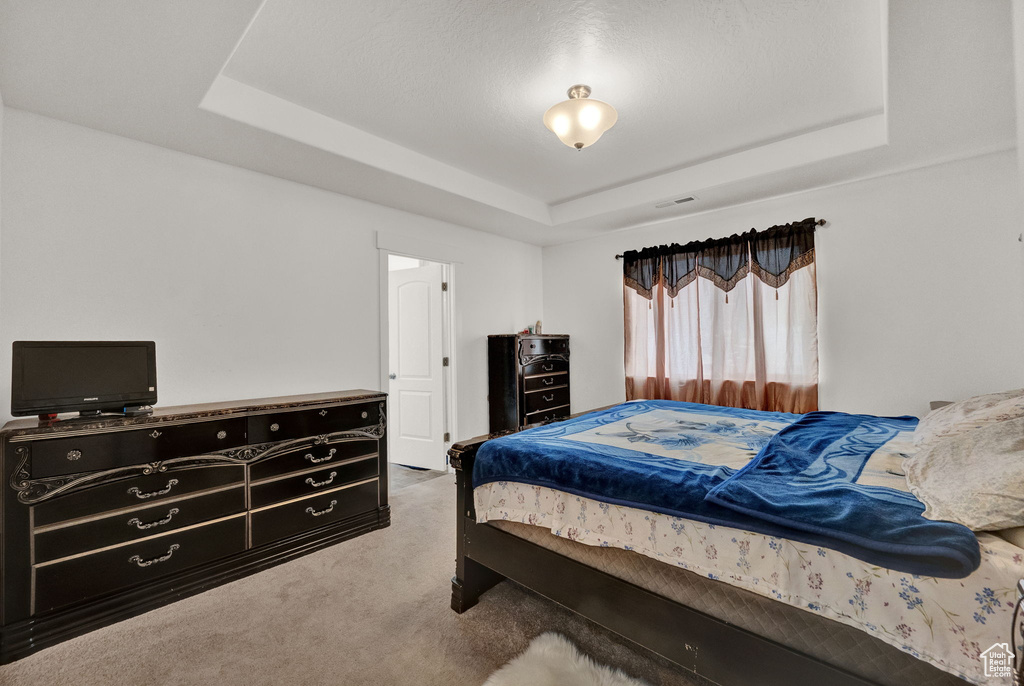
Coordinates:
<point>580,121</point>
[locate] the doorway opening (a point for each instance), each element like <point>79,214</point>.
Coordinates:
<point>419,368</point>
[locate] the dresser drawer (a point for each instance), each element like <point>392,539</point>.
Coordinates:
<point>310,481</point>
<point>64,582</point>
<point>529,347</point>
<point>547,415</point>
<point>79,536</point>
<point>280,521</point>
<point>136,491</point>
<point>545,367</point>
<point>546,381</point>
<point>543,400</point>
<point>285,426</point>
<point>100,451</point>
<point>312,455</point>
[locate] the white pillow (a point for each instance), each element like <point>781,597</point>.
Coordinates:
<point>966,415</point>
<point>975,478</point>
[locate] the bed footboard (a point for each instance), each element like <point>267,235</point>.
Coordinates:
<point>471,578</point>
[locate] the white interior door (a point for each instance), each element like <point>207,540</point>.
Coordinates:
<point>416,381</point>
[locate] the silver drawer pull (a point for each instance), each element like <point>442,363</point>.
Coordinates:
<point>74,454</point>
<point>328,482</point>
<point>548,382</point>
<point>160,522</point>
<point>548,367</point>
<point>156,560</point>
<point>318,460</point>
<point>322,512</point>
<point>275,427</point>
<point>156,434</point>
<point>134,490</point>
<point>323,413</point>
<point>548,398</point>
<point>364,415</point>
<point>222,434</point>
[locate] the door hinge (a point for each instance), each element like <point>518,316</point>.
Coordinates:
<point>444,362</point>
<point>447,437</point>
<point>444,285</point>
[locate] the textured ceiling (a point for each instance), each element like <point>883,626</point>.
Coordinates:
<point>434,107</point>
<point>467,83</point>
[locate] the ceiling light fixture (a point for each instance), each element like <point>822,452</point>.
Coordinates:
<point>580,121</point>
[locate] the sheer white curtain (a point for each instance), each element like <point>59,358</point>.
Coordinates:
<point>728,322</point>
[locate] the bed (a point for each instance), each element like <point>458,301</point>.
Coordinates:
<point>737,567</point>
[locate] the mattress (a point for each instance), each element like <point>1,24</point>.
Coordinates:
<point>867,619</point>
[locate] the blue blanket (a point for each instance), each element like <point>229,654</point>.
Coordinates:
<point>798,477</point>
<point>808,479</point>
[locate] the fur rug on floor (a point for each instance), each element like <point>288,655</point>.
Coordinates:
<point>551,660</point>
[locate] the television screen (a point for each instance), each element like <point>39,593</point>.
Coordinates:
<point>65,376</point>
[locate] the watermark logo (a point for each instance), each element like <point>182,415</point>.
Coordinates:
<point>998,661</point>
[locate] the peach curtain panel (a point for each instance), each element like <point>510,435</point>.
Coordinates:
<point>725,322</point>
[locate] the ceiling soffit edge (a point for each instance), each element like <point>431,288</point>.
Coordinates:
<point>243,103</point>
<point>691,212</point>
<point>240,102</point>
<point>816,146</point>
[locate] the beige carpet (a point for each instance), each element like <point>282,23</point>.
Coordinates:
<point>373,610</point>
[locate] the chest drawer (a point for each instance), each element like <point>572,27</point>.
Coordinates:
<point>70,538</point>
<point>545,367</point>
<point>136,491</point>
<point>311,481</point>
<point>546,381</point>
<point>546,415</point>
<point>312,455</point>
<point>529,347</point>
<point>64,582</point>
<point>96,452</point>
<point>543,400</point>
<point>285,426</point>
<point>287,519</point>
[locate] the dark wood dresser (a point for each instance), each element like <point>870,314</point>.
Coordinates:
<point>528,379</point>
<point>105,518</point>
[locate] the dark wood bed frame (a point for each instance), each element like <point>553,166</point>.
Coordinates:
<point>697,642</point>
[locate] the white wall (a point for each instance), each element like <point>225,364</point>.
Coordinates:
<point>251,286</point>
<point>921,290</point>
<point>2,111</point>
<point>1018,66</point>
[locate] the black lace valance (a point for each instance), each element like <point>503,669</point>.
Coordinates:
<point>772,255</point>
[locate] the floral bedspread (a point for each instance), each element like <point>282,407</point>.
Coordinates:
<point>947,622</point>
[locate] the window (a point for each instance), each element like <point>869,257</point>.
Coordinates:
<point>725,322</point>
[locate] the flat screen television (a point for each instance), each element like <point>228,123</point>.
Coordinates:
<point>49,377</point>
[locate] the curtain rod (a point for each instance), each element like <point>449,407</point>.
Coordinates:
<point>820,222</point>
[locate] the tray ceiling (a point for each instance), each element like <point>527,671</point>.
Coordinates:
<point>468,83</point>
<point>435,106</point>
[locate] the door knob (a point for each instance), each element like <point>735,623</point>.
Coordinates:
<point>392,376</point>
